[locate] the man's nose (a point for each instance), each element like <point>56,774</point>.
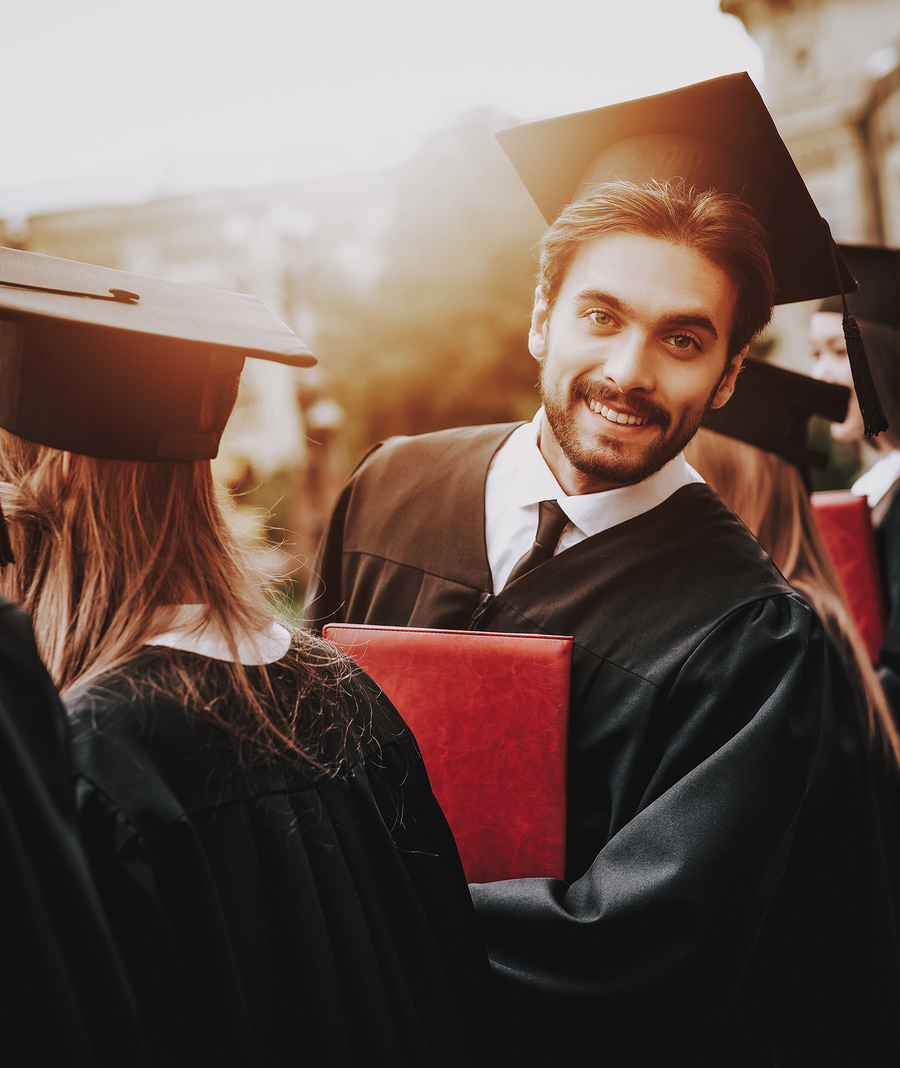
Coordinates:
<point>630,364</point>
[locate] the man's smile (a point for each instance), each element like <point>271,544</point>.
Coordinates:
<point>613,416</point>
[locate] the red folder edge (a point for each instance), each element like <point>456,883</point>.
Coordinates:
<point>844,520</point>
<point>490,714</point>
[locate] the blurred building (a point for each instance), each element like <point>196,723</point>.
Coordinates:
<point>832,82</point>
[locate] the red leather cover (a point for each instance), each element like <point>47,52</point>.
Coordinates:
<point>490,713</point>
<point>845,522</point>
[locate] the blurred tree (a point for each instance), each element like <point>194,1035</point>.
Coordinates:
<point>439,338</point>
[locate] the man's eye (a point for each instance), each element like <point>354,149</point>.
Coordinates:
<point>684,341</point>
<point>599,317</point>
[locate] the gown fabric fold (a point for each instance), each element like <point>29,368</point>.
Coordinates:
<point>269,913</point>
<point>64,994</point>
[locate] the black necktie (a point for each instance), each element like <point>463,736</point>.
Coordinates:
<point>551,521</point>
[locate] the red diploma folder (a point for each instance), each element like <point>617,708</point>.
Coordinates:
<point>490,713</point>
<point>845,522</point>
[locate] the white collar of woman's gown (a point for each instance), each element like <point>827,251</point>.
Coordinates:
<point>189,631</point>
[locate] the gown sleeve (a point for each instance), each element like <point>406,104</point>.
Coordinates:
<point>324,602</point>
<point>324,594</point>
<point>829,951</point>
<point>64,995</point>
<point>647,948</point>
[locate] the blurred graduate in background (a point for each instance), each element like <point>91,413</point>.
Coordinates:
<point>277,875</point>
<point>833,924</point>
<point>876,306</point>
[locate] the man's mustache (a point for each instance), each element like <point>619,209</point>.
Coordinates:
<point>585,389</point>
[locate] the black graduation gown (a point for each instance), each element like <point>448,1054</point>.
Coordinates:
<point>64,995</point>
<point>697,686</point>
<point>267,914</point>
<point>824,983</point>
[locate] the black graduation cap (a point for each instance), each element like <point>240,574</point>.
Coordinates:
<point>876,269</point>
<point>771,408</point>
<point>716,134</point>
<point>876,305</point>
<point>109,364</point>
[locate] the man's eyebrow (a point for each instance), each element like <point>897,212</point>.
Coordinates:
<point>700,321</point>
<point>597,296</point>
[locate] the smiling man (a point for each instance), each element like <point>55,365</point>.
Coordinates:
<point>655,317</point>
<point>696,680</point>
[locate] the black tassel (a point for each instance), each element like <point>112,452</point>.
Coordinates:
<point>6,553</point>
<point>869,405</point>
<point>870,408</point>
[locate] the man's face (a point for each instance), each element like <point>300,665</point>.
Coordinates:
<point>832,364</point>
<point>632,355</point>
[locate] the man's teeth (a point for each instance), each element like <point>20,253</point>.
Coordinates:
<point>615,417</point>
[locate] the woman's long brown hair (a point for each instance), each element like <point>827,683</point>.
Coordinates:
<point>105,550</point>
<point>768,494</point>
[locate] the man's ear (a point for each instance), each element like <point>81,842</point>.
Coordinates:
<point>540,323</point>
<point>726,386</point>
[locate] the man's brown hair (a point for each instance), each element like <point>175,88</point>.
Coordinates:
<point>718,226</point>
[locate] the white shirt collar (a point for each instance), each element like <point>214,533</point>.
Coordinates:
<point>519,479</point>
<point>875,483</point>
<point>190,631</point>
<point>590,512</point>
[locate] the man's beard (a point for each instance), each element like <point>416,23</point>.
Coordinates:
<point>608,462</point>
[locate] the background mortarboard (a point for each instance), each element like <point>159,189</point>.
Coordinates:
<point>877,272</point>
<point>109,364</point>
<point>771,408</point>
<point>876,306</point>
<point>715,135</point>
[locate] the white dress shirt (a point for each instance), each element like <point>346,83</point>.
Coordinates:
<point>875,483</point>
<point>519,479</point>
<point>189,631</point>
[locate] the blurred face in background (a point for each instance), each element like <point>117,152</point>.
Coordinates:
<point>831,364</point>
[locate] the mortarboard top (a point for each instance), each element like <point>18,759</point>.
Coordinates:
<point>876,269</point>
<point>117,365</point>
<point>715,135</point>
<point>771,408</point>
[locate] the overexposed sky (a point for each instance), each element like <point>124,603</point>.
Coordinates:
<point>105,99</point>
